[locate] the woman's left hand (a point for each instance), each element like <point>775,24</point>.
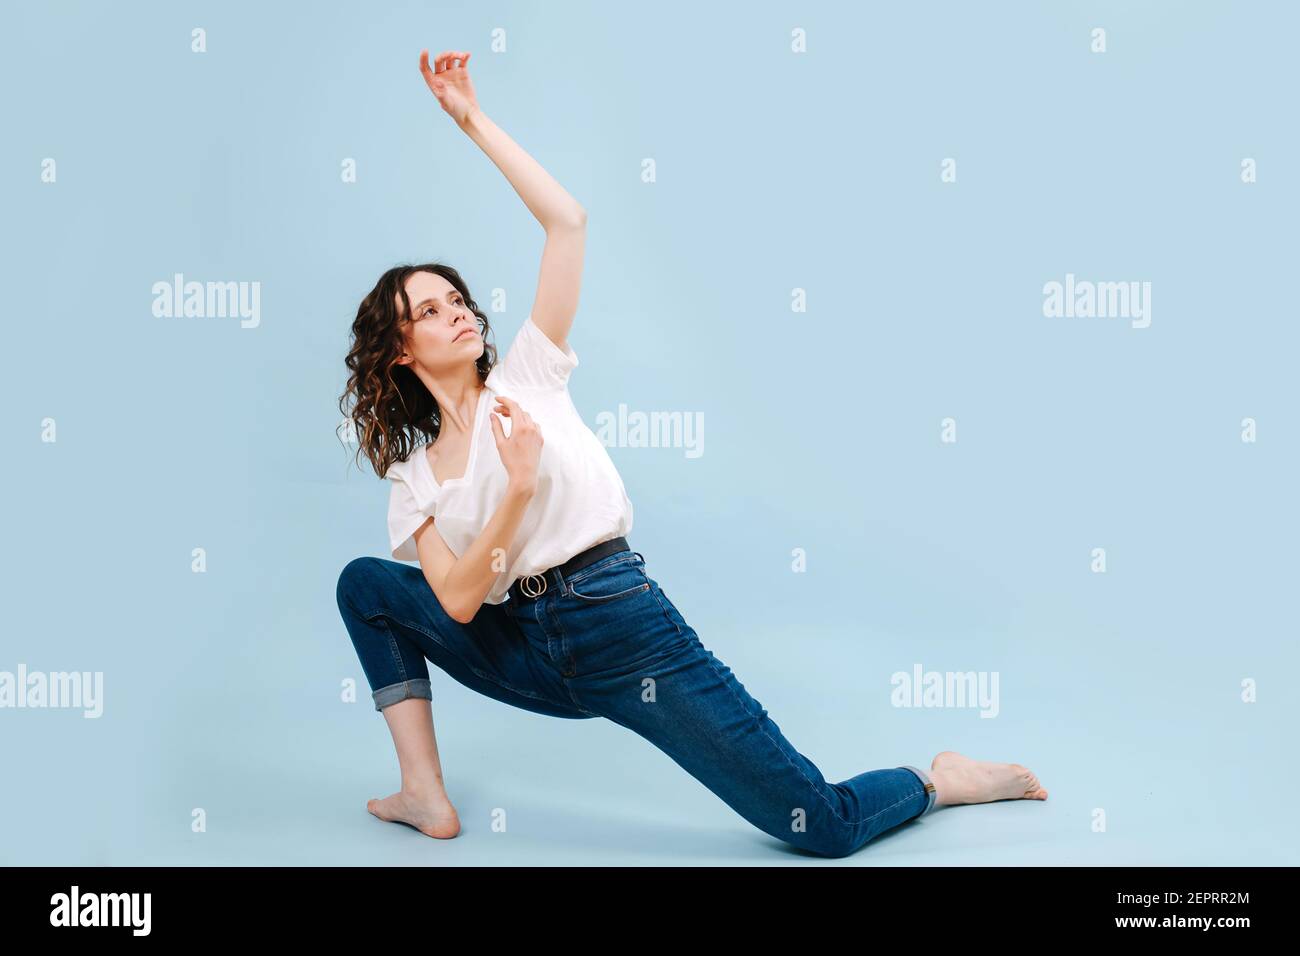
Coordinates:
<point>450,83</point>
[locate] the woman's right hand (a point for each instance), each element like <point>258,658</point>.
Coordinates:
<point>522,450</point>
<point>449,82</point>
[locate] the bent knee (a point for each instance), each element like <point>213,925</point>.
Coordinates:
<point>835,842</point>
<point>357,577</point>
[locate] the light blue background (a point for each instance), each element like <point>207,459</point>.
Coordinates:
<point>776,171</point>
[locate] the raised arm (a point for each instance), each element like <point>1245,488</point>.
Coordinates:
<point>565,221</point>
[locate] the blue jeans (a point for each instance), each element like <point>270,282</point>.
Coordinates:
<point>607,642</point>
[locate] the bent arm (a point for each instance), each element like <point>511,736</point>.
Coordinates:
<point>461,584</point>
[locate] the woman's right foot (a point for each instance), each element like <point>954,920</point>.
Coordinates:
<point>959,779</point>
<point>430,813</point>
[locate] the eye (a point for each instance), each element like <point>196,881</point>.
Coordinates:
<point>428,309</point>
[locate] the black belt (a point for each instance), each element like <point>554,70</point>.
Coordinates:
<point>533,586</point>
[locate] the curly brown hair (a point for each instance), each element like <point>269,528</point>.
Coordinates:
<point>392,412</point>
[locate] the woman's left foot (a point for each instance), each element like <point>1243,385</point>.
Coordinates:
<point>959,779</point>
<point>432,814</point>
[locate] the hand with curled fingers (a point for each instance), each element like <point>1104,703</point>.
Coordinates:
<point>520,452</point>
<point>448,80</point>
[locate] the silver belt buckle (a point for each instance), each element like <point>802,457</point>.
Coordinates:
<point>532,591</point>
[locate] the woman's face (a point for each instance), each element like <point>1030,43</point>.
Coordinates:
<point>444,332</point>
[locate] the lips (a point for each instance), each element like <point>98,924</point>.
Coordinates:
<point>462,332</point>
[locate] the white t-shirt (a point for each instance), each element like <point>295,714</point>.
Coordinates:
<point>580,499</point>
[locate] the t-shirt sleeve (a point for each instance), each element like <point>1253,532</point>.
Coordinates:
<point>534,361</point>
<point>404,519</point>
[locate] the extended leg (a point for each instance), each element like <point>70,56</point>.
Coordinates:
<point>641,665</point>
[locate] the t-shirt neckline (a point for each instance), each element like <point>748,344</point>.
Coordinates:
<point>469,458</point>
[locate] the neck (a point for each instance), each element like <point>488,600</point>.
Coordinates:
<point>456,397</point>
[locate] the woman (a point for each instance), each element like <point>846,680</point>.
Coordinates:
<point>527,590</point>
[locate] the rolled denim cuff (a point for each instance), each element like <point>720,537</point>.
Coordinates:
<point>387,696</point>
<point>930,792</point>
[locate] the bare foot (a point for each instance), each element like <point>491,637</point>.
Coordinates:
<point>959,779</point>
<point>430,813</point>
